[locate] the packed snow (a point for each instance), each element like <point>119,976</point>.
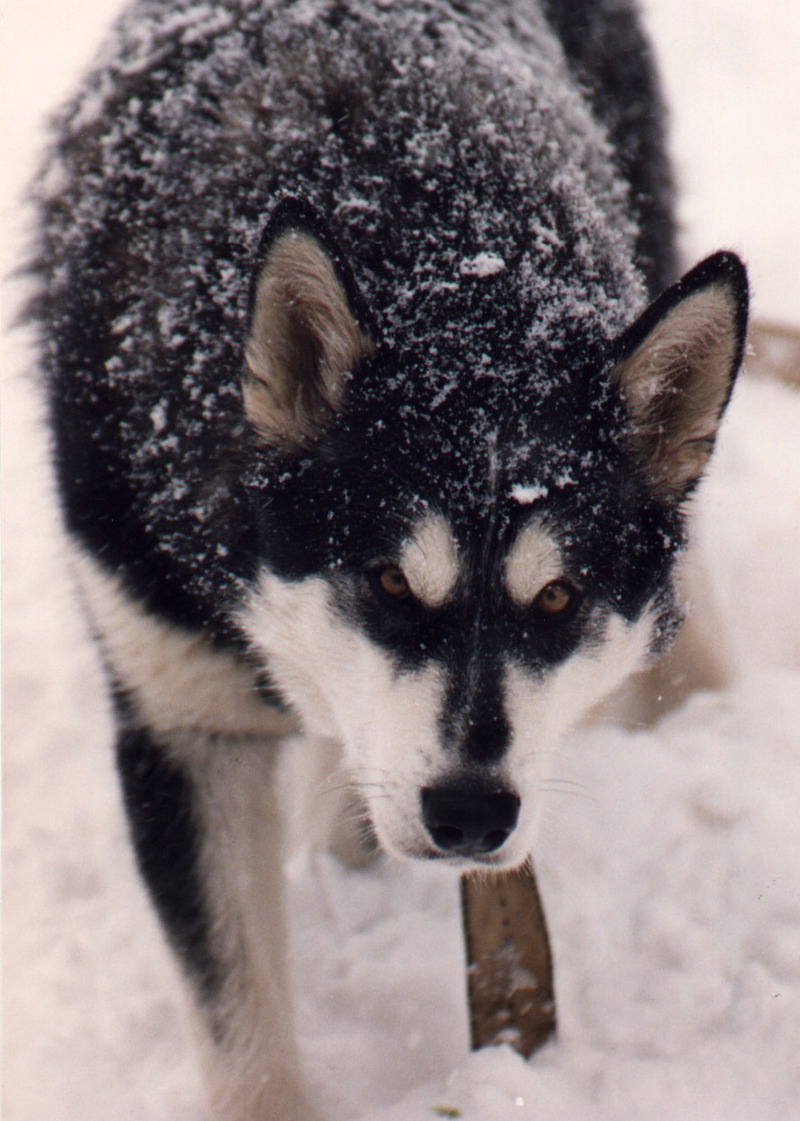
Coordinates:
<point>669,857</point>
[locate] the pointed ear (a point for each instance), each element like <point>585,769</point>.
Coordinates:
<point>304,337</point>
<point>676,366</point>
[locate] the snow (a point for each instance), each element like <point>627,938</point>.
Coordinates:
<point>669,858</point>
<point>484,264</point>
<point>525,495</point>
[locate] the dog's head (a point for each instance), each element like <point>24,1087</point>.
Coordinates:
<point>462,556</point>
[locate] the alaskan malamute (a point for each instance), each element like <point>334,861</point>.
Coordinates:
<point>375,407</point>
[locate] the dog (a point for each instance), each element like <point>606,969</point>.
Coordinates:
<point>376,403</point>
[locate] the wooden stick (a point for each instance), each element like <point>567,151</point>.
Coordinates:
<point>509,966</point>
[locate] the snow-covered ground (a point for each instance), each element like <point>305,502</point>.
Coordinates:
<point>671,874</point>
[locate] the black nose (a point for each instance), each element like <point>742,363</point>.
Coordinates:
<point>467,822</point>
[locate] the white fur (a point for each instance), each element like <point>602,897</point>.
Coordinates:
<point>175,679</point>
<point>206,713</point>
<point>251,1060</point>
<point>533,561</point>
<point>345,686</point>
<point>430,561</point>
<point>541,712</point>
<point>388,722</point>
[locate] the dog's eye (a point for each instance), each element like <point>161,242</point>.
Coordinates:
<point>557,600</point>
<point>393,582</point>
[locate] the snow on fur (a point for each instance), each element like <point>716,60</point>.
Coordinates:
<point>473,194</point>
<point>687,855</point>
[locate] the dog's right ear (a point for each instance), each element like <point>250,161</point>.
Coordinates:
<point>304,337</point>
<point>675,368</point>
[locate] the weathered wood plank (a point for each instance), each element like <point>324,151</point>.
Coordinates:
<point>509,965</point>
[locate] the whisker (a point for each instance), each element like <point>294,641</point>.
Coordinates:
<point>617,722</point>
<point>335,788</point>
<point>564,786</point>
<point>565,782</point>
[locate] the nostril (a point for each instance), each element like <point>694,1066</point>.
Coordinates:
<point>468,821</point>
<point>447,837</point>
<point>493,840</point>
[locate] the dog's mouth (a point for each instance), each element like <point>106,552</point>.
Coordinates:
<point>496,861</point>
<point>421,846</point>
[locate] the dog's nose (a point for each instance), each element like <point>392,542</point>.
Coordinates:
<point>469,822</point>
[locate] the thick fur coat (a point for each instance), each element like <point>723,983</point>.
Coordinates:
<point>364,423</point>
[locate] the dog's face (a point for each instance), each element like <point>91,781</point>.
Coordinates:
<point>450,677</point>
<point>449,585</point>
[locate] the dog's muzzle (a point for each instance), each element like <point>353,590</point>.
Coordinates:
<point>468,822</point>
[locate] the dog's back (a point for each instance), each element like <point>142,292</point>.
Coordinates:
<point>426,133</point>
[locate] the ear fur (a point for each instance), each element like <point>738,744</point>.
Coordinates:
<point>676,366</point>
<point>304,337</point>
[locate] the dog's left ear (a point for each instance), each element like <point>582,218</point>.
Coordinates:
<point>304,337</point>
<point>676,367</point>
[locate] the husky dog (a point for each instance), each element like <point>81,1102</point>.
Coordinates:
<point>375,406</point>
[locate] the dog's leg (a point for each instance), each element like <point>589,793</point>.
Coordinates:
<point>205,823</point>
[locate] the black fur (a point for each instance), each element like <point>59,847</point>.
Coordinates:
<point>171,161</point>
<point>612,60</point>
<point>167,837</point>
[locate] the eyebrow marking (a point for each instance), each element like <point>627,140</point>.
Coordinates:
<point>533,561</point>
<point>429,561</point>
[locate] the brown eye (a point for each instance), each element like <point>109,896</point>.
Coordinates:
<point>393,582</point>
<point>556,599</point>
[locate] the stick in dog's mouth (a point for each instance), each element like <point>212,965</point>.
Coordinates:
<point>509,965</point>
